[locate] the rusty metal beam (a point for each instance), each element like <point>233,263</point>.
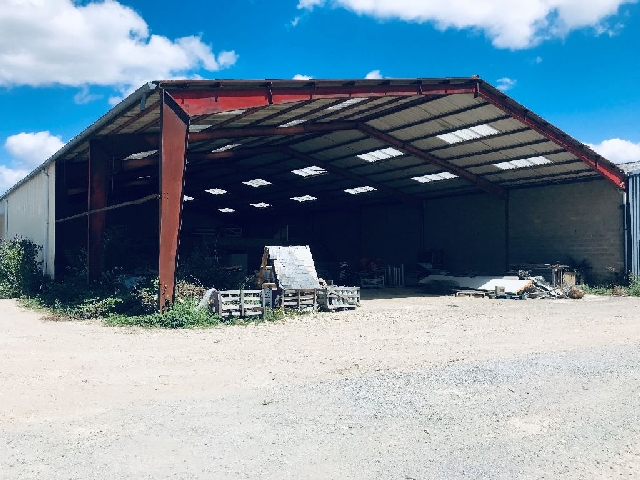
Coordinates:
<point>362,181</point>
<point>97,198</point>
<point>174,129</point>
<point>223,98</point>
<point>407,148</point>
<point>598,163</point>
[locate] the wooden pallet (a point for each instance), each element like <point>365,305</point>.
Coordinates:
<point>238,303</point>
<point>333,297</point>
<point>299,299</point>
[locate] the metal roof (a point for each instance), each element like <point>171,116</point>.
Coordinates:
<point>243,130</point>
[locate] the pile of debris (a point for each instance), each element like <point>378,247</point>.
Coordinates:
<point>518,287</point>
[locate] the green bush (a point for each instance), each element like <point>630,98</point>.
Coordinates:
<point>183,314</point>
<point>20,271</point>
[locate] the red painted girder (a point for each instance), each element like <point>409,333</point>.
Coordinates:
<point>173,148</point>
<point>610,172</point>
<point>99,169</point>
<point>207,101</point>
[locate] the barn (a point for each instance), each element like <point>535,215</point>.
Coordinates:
<point>447,171</point>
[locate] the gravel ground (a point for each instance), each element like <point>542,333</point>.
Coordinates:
<point>406,387</point>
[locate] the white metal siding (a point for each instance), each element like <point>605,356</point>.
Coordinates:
<point>31,214</point>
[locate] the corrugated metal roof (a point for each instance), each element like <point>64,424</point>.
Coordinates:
<point>419,114</point>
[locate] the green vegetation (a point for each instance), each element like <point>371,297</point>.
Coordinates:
<point>19,269</point>
<point>117,299</point>
<point>631,289</point>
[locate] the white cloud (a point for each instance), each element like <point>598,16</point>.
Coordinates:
<point>27,151</point>
<point>505,84</point>
<point>295,21</point>
<point>373,75</point>
<point>46,42</point>
<point>299,76</point>
<point>84,96</point>
<point>509,24</point>
<point>617,150</point>
<point>31,149</point>
<point>10,176</point>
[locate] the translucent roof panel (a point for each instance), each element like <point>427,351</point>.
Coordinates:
<point>346,103</point>
<point>257,182</point>
<point>309,171</point>
<point>357,190</point>
<point>381,154</point>
<point>522,163</point>
<point>216,191</point>
<point>471,133</point>
<point>304,198</point>
<point>225,148</point>
<point>435,177</point>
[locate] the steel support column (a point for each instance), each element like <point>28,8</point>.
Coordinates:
<point>97,198</point>
<point>174,128</point>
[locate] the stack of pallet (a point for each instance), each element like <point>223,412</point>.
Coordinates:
<point>333,297</point>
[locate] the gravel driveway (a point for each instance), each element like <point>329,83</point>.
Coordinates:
<point>407,387</point>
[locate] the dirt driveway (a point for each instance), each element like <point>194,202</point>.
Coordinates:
<point>406,387</point>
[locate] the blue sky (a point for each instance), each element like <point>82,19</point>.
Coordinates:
<point>63,63</point>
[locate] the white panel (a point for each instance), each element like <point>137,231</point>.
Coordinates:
<point>31,214</point>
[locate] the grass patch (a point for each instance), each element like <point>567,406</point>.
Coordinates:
<point>183,314</point>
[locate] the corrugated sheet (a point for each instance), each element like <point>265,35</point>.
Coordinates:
<point>30,213</point>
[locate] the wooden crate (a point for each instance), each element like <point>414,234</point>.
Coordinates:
<point>238,303</point>
<point>299,299</point>
<point>333,297</point>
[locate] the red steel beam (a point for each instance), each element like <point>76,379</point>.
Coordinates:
<point>480,182</point>
<point>99,169</point>
<point>174,127</point>
<point>605,168</point>
<point>212,100</point>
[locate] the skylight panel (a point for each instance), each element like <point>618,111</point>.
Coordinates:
<point>471,133</point>
<point>260,205</point>
<point>225,147</point>
<point>232,112</point>
<point>522,163</point>
<point>346,103</point>
<point>141,155</point>
<point>293,123</point>
<point>382,154</point>
<point>226,210</point>
<point>309,171</point>
<point>357,190</point>
<point>257,182</point>
<point>435,177</point>
<point>304,198</point>
<point>198,128</point>
<point>216,191</point>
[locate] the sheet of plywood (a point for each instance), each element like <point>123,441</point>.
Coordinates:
<point>511,284</point>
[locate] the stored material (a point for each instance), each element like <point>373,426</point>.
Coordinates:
<point>333,297</point>
<point>292,268</point>
<point>512,285</point>
<point>238,303</point>
<point>300,299</point>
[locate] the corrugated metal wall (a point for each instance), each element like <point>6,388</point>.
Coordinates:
<point>30,213</point>
<point>634,213</point>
